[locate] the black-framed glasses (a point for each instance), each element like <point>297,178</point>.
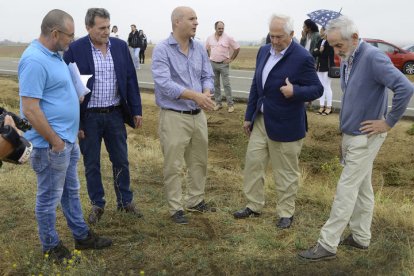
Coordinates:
<point>71,36</point>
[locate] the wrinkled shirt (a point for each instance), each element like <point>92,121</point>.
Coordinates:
<point>173,72</point>
<point>220,49</point>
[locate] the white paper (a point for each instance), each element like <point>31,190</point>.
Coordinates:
<point>79,81</point>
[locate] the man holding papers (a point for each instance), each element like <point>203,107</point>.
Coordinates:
<point>114,100</point>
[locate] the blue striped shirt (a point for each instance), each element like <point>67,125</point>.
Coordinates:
<point>105,88</point>
<point>173,72</point>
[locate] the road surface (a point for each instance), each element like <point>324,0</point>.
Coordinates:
<point>240,82</point>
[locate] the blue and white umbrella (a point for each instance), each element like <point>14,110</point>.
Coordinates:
<point>322,17</point>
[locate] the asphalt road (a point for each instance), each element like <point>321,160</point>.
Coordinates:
<point>240,82</point>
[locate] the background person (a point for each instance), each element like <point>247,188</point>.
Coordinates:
<point>183,80</point>
<point>310,35</point>
<point>134,44</point>
<point>324,54</point>
<point>114,32</point>
<point>50,103</point>
<point>114,100</point>
<point>143,47</point>
<point>364,122</point>
<point>218,46</point>
<point>275,119</point>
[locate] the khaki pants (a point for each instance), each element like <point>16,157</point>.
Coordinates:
<point>354,199</point>
<point>285,165</point>
<point>184,141</point>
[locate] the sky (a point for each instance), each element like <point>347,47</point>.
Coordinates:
<point>245,20</point>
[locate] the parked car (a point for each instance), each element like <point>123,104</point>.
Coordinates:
<point>409,47</point>
<point>402,59</point>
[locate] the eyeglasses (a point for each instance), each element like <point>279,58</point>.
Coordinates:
<point>71,36</point>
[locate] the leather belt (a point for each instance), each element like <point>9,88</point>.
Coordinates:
<point>189,112</point>
<point>107,109</point>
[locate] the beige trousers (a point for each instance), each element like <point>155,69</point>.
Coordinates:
<point>184,143</point>
<point>354,199</point>
<point>284,157</point>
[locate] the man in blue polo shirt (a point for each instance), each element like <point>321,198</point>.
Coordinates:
<point>50,103</point>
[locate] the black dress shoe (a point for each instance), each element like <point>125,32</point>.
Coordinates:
<point>284,223</point>
<point>351,242</point>
<point>245,213</point>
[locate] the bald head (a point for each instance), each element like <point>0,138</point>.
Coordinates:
<point>55,19</point>
<point>178,14</point>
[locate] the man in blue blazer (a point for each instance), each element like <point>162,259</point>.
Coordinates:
<point>275,119</point>
<point>114,100</point>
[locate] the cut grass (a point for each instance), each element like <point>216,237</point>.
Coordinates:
<point>215,243</point>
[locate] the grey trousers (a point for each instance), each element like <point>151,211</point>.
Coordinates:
<point>222,69</point>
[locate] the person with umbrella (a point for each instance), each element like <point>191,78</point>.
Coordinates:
<point>310,35</point>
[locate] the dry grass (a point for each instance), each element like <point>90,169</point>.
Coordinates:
<point>215,243</point>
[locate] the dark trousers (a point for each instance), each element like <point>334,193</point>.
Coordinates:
<point>142,56</point>
<point>109,127</point>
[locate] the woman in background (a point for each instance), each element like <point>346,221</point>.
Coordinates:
<point>114,32</point>
<point>324,55</point>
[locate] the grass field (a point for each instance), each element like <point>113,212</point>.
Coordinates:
<point>215,243</point>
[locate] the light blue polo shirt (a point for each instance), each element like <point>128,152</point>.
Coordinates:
<point>44,75</point>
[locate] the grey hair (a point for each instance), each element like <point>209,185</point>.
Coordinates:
<point>288,22</point>
<point>95,12</point>
<point>54,19</point>
<point>345,26</point>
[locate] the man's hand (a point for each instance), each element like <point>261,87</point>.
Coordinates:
<point>204,100</point>
<point>246,127</point>
<point>81,134</point>
<point>138,121</point>
<point>372,127</point>
<point>58,146</point>
<point>287,90</point>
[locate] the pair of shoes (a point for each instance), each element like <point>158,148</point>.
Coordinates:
<point>284,223</point>
<point>245,213</point>
<point>95,215</point>
<point>179,217</point>
<point>320,111</point>
<point>231,109</point>
<point>201,207</point>
<point>218,107</point>
<point>92,241</point>
<point>327,111</point>
<point>132,209</point>
<point>59,254</point>
<point>351,242</point>
<point>316,254</point>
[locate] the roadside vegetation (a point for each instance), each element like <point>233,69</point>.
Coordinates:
<point>215,243</point>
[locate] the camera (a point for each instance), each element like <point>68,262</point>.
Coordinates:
<point>14,148</point>
<point>20,123</point>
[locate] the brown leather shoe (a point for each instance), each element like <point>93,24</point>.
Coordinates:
<point>95,215</point>
<point>132,209</point>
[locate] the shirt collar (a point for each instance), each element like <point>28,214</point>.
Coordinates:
<point>355,52</point>
<point>173,41</point>
<point>273,53</point>
<point>36,43</point>
<point>108,45</point>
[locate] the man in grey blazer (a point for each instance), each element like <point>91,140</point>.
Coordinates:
<point>364,122</point>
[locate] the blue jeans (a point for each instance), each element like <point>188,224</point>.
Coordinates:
<point>109,127</point>
<point>57,181</point>
<point>135,57</point>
